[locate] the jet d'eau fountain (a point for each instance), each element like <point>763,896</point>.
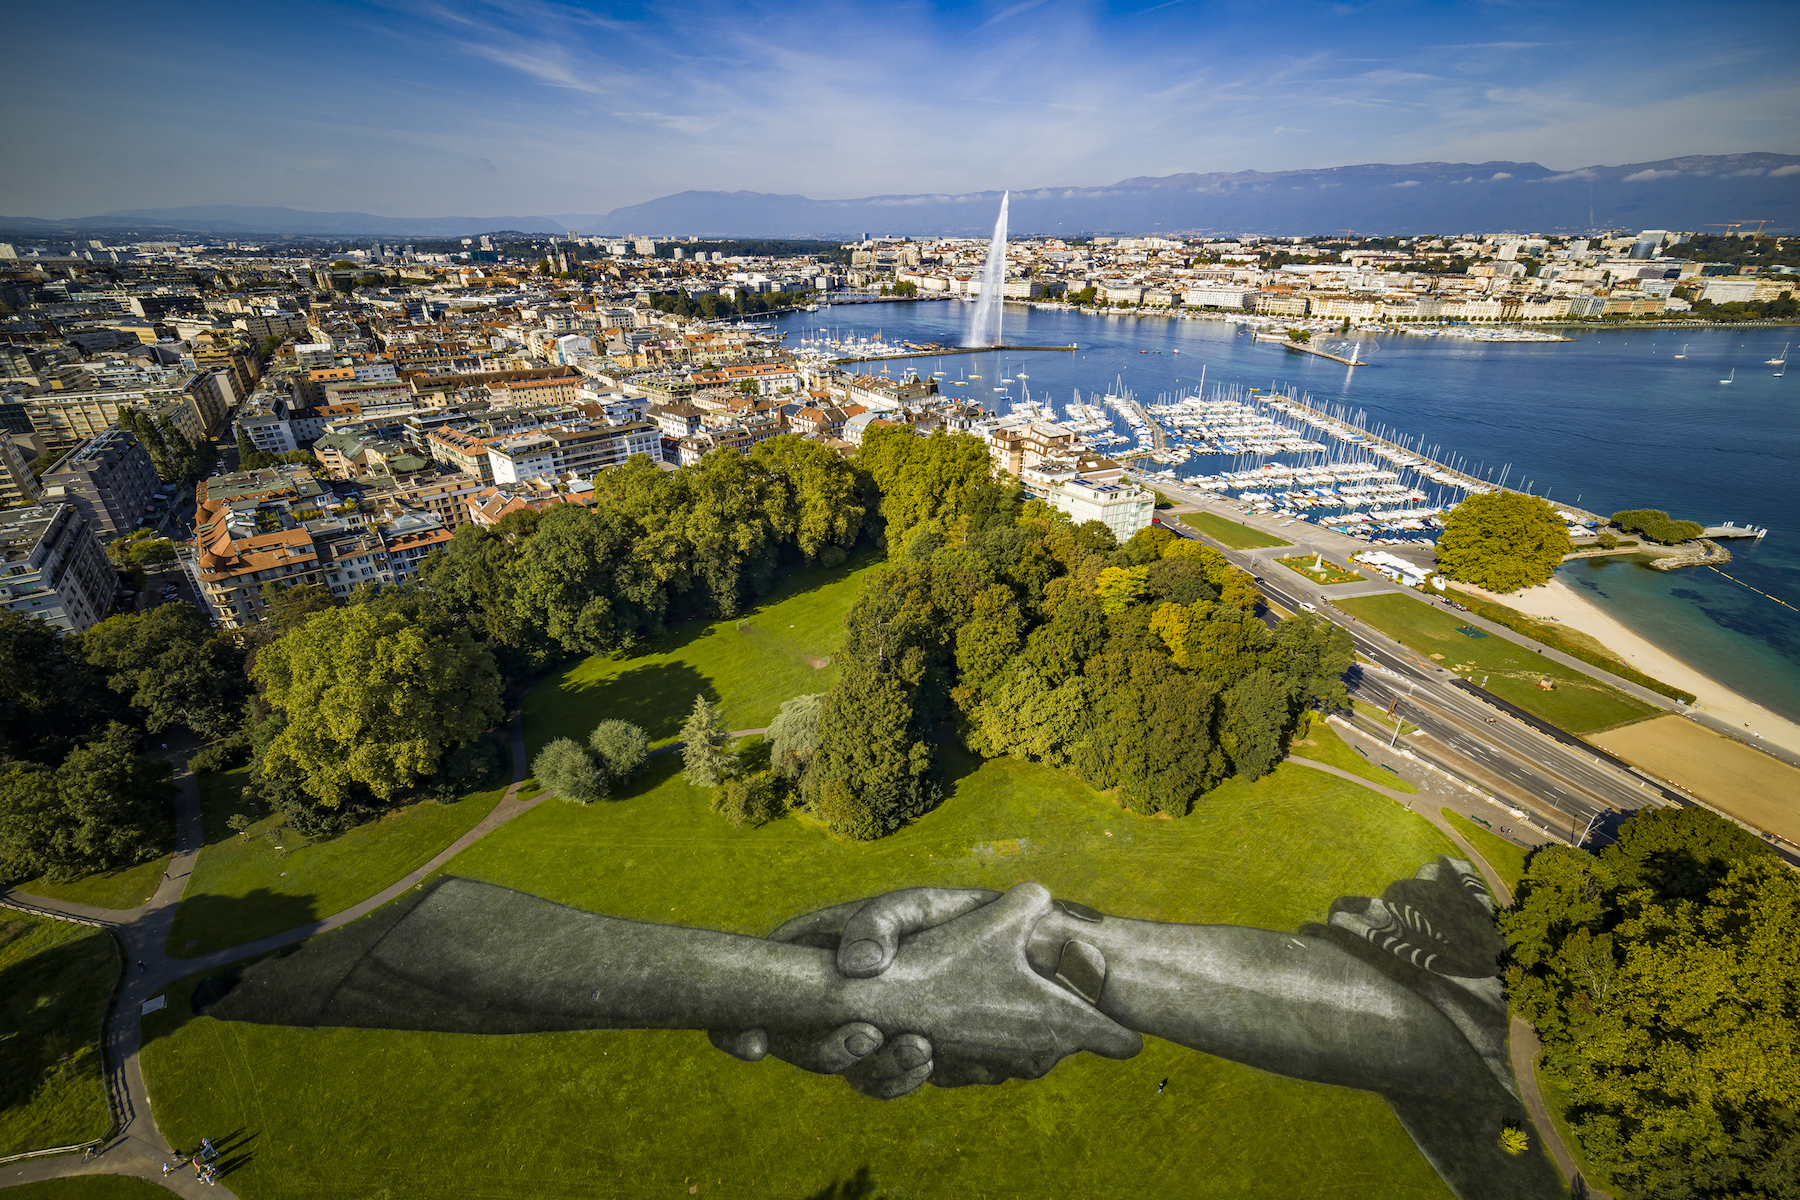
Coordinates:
<point>984,326</point>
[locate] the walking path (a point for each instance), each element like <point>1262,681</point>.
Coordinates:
<point>138,1147</point>
<point>1523,1044</point>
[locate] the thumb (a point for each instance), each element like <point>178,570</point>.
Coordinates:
<point>873,935</point>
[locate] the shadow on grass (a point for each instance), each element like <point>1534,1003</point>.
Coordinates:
<point>656,697</point>
<point>51,1003</point>
<point>857,1187</point>
<point>216,921</point>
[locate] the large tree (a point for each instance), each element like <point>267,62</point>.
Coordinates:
<point>374,694</point>
<point>706,757</point>
<point>49,698</point>
<point>1664,979</point>
<point>102,809</point>
<point>1503,541</point>
<point>171,665</point>
<point>578,580</point>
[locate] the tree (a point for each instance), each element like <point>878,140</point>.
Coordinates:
<point>706,758</point>
<point>752,799</point>
<point>374,694</point>
<point>565,768</point>
<point>620,746</point>
<point>1657,525</point>
<point>576,579</point>
<point>286,605</point>
<point>793,735</point>
<point>169,664</point>
<point>872,771</point>
<point>102,809</point>
<point>1503,541</point>
<point>1662,977</point>
<point>49,697</point>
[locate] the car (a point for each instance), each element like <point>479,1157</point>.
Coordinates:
<point>1305,607</point>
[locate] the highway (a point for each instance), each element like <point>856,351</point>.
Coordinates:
<point>1569,786</point>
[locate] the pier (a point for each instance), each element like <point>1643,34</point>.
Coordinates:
<point>1304,348</point>
<point>946,350</point>
<point>1731,529</point>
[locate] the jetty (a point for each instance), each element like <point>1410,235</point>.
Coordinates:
<point>1303,348</point>
<point>946,350</point>
<point>1731,529</point>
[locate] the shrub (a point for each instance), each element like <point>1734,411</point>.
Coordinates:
<point>794,735</point>
<point>222,755</point>
<point>1608,541</point>
<point>565,768</point>
<point>749,799</point>
<point>1514,1140</point>
<point>621,746</point>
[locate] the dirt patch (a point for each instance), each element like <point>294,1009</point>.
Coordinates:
<point>817,664</point>
<point>1746,783</point>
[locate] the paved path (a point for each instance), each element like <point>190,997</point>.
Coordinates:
<point>139,1148</point>
<point>1523,1044</point>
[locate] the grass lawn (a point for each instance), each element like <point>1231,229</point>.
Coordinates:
<point>340,1113</point>
<point>1577,705</point>
<point>1380,716</point>
<point>87,1187</point>
<point>1232,534</point>
<point>1506,856</point>
<point>1573,642</point>
<point>244,888</point>
<point>779,649</point>
<point>1327,574</point>
<point>1321,743</point>
<point>118,889</point>
<point>55,977</point>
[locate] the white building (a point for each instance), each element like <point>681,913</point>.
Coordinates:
<point>581,452</point>
<point>1122,507</point>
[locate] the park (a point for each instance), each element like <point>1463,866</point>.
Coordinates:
<point>629,1112</point>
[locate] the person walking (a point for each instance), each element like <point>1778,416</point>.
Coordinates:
<point>1161,1086</point>
<point>141,966</point>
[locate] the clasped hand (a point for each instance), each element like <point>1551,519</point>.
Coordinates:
<point>946,982</point>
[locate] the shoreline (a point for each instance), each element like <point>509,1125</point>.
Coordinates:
<point>1558,601</point>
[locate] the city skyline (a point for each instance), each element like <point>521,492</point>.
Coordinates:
<point>534,107</point>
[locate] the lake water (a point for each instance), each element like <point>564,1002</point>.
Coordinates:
<point>1609,421</point>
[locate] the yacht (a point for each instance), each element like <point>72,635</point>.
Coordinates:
<point>1781,359</point>
<point>1729,378</point>
<point>1683,353</point>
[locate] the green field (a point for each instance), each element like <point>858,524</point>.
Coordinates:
<point>115,889</point>
<point>1231,534</point>
<point>244,888</point>
<point>1577,705</point>
<point>342,1112</point>
<point>1321,743</point>
<point>1506,856</point>
<point>777,650</point>
<point>55,977</point>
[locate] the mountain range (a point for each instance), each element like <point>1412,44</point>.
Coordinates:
<point>1693,192</point>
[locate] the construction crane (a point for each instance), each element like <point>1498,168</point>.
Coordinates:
<point>1758,222</point>
<point>1729,227</point>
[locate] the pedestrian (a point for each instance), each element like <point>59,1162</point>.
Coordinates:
<point>141,966</point>
<point>1161,1086</point>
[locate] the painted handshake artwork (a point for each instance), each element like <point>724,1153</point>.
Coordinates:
<point>1396,995</point>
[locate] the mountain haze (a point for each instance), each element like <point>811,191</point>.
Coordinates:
<point>1691,192</point>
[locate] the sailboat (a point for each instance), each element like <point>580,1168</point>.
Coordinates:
<point>1732,376</point>
<point>1683,353</point>
<point>1781,360</point>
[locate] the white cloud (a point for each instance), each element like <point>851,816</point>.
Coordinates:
<point>1500,175</point>
<point>1649,173</point>
<point>1783,172</point>
<point>1407,183</point>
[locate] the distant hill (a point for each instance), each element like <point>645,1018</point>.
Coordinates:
<point>1692,192</point>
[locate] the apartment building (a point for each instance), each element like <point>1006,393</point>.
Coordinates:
<point>17,484</point>
<point>1122,507</point>
<point>52,568</point>
<point>446,497</point>
<point>1016,443</point>
<point>767,378</point>
<point>579,452</point>
<point>109,479</point>
<point>64,418</point>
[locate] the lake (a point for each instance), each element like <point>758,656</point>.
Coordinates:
<point>1609,421</point>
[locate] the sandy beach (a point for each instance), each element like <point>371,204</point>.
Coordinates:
<point>1558,601</point>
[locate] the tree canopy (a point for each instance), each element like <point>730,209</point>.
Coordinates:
<point>1664,977</point>
<point>1503,541</point>
<point>103,808</point>
<point>170,664</point>
<point>374,694</point>
<point>1657,525</point>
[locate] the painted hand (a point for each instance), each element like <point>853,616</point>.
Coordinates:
<point>952,994</point>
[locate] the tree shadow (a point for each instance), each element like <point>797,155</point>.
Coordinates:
<point>216,921</point>
<point>51,1005</point>
<point>855,1187</point>
<point>656,697</point>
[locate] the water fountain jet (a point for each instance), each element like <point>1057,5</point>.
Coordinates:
<point>984,327</point>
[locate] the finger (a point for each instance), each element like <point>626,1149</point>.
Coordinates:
<point>872,935</point>
<point>834,1053</point>
<point>896,1069</point>
<point>750,1045</point>
<point>820,929</point>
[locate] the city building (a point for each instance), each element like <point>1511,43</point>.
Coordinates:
<point>109,478</point>
<point>52,567</point>
<point>1122,507</point>
<point>578,452</point>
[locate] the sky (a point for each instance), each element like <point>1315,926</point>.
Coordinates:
<point>529,107</point>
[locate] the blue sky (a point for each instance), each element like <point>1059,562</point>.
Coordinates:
<point>530,107</point>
